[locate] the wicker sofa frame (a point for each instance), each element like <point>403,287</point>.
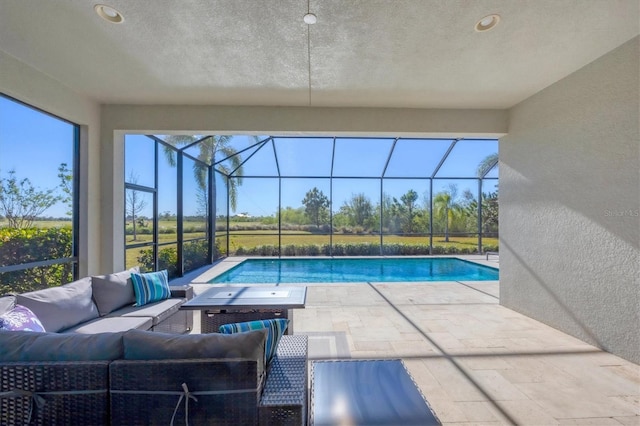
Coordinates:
<point>152,392</point>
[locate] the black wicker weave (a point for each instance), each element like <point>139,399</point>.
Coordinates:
<point>121,392</point>
<point>211,322</point>
<point>215,392</point>
<point>226,392</point>
<point>179,322</point>
<point>54,393</point>
<point>284,399</point>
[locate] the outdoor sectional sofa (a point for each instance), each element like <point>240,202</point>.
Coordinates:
<point>103,361</point>
<point>147,378</point>
<point>103,303</point>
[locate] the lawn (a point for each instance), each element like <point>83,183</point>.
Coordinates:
<point>253,238</point>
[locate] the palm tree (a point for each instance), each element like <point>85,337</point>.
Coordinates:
<point>446,206</point>
<point>207,153</point>
<point>486,164</point>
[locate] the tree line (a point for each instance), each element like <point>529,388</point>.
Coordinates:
<point>408,214</point>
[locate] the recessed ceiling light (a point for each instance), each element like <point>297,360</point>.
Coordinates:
<point>487,23</point>
<point>310,19</point>
<point>108,13</point>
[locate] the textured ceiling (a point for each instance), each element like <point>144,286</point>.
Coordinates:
<point>363,53</point>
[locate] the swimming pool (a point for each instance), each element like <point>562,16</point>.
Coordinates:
<point>272,271</point>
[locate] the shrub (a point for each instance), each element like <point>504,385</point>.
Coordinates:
<point>195,254</point>
<point>337,250</point>
<point>167,259</point>
<point>289,250</point>
<point>31,245</point>
<point>312,250</point>
<point>354,249</point>
<point>267,250</point>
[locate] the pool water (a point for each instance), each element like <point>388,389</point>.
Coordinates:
<point>272,271</point>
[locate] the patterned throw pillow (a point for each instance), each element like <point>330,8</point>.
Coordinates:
<point>20,318</point>
<point>276,328</point>
<point>150,287</point>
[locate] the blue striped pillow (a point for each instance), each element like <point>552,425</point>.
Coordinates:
<point>276,328</point>
<point>150,287</point>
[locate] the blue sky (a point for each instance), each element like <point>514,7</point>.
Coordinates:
<point>308,158</point>
<point>35,144</point>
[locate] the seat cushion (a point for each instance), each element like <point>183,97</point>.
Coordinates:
<point>113,291</point>
<point>112,325</point>
<point>139,345</point>
<point>30,346</point>
<point>159,311</point>
<point>61,307</point>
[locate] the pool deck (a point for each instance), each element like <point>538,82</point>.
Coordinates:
<point>476,362</point>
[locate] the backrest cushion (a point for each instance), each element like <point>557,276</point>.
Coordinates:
<point>61,307</point>
<point>275,329</point>
<point>29,346</point>
<point>113,291</point>
<point>151,287</point>
<point>7,303</point>
<point>146,345</point>
<point>20,318</point>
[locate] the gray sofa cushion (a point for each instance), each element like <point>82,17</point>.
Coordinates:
<point>159,311</point>
<point>30,346</point>
<point>61,307</point>
<point>112,324</point>
<point>140,345</point>
<point>7,303</point>
<point>113,291</point>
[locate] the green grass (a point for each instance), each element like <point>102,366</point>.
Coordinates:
<point>250,238</point>
<point>44,223</point>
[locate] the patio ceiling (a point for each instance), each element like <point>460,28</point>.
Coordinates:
<point>401,53</point>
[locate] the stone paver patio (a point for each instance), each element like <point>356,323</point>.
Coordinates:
<point>475,361</point>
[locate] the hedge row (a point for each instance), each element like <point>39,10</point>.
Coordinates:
<point>195,256</point>
<point>360,249</point>
<point>33,245</point>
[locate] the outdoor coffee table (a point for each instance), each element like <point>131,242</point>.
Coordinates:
<point>226,305</point>
<point>366,392</point>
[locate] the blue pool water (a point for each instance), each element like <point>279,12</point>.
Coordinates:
<point>334,270</point>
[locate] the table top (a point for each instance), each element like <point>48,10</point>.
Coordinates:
<point>261,297</point>
<point>367,392</point>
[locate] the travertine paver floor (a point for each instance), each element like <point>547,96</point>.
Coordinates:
<point>477,363</point>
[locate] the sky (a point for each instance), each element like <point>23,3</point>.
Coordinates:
<point>305,163</point>
<point>35,144</point>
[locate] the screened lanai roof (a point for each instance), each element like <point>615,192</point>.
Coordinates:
<point>343,157</point>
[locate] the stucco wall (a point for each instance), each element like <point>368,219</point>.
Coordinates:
<point>34,88</point>
<point>569,200</point>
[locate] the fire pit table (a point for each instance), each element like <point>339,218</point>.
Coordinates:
<point>226,305</point>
